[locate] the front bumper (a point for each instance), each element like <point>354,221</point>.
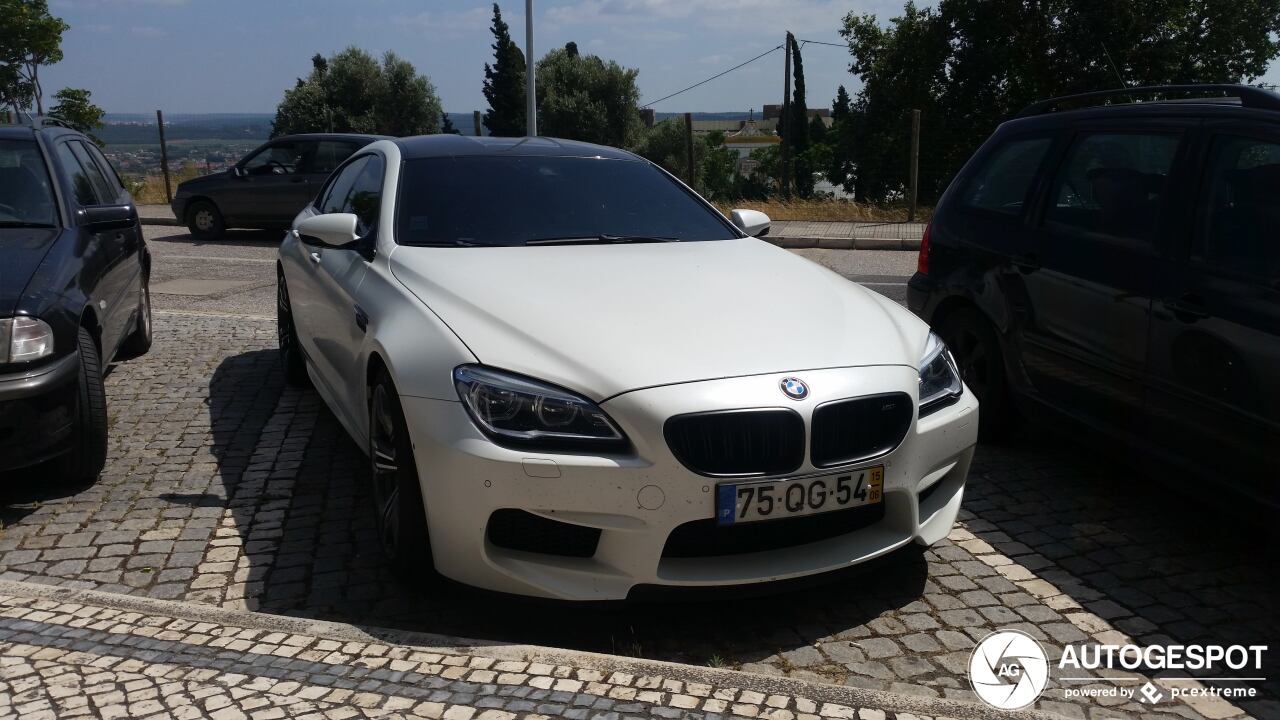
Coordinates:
<point>179,207</point>
<point>37,412</point>
<point>636,501</point>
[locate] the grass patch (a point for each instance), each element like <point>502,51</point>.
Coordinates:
<point>826,210</point>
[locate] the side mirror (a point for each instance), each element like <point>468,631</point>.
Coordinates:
<point>751,222</point>
<point>100,218</point>
<point>335,230</point>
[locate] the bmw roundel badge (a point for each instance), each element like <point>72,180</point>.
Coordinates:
<point>794,388</point>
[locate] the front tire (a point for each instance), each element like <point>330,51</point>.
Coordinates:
<point>973,342</point>
<point>88,454</point>
<point>204,221</point>
<point>291,360</point>
<point>397,496</point>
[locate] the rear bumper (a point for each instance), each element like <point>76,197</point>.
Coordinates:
<point>37,412</point>
<point>920,292</point>
<point>179,207</point>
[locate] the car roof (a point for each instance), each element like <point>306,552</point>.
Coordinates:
<point>1205,101</point>
<point>332,136</point>
<point>449,145</point>
<point>26,132</point>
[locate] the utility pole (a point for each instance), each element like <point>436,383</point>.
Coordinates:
<point>475,120</point>
<point>530,74</point>
<point>784,123</point>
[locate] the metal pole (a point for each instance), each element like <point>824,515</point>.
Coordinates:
<point>784,122</point>
<point>164,158</point>
<point>531,89</point>
<point>475,120</point>
<point>915,164</point>
<point>690,176</point>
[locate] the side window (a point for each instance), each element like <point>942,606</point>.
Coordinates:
<point>86,194</point>
<point>1241,207</point>
<point>365,198</point>
<point>329,154</point>
<point>105,192</point>
<point>1003,183</point>
<point>279,158</point>
<point>335,198</point>
<point>1113,184</point>
<point>108,170</point>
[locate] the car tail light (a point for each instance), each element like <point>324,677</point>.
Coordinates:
<point>922,260</point>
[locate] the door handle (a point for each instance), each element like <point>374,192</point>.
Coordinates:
<point>315,256</point>
<point>1188,308</point>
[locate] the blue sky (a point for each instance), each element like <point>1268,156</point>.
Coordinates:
<point>200,56</point>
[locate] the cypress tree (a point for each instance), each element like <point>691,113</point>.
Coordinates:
<point>504,83</point>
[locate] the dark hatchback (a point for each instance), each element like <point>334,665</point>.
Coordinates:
<point>73,296</point>
<point>267,188</point>
<point>1120,265</point>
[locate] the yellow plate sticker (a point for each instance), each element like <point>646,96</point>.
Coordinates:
<point>875,485</point>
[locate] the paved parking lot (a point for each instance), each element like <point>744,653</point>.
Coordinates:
<point>225,487</point>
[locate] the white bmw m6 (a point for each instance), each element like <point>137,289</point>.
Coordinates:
<point>575,379</point>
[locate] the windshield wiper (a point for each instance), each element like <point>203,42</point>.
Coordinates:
<point>445,243</point>
<point>602,240</point>
<point>22,224</point>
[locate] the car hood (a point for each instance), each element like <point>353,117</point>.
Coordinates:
<point>21,251</point>
<point>606,319</point>
<point>197,183</point>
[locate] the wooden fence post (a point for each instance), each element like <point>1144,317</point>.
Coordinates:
<point>164,158</point>
<point>915,164</point>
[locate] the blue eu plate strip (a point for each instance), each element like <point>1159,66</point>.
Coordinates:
<point>726,504</point>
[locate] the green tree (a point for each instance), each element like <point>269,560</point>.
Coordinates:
<point>446,125</point>
<point>353,92</point>
<point>970,64</point>
<point>29,38</point>
<point>664,144</point>
<point>797,131</point>
<point>504,83</point>
<point>718,169</point>
<point>75,108</point>
<point>582,97</point>
<point>837,162</point>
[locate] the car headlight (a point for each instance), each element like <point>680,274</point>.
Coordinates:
<point>23,339</point>
<point>939,379</point>
<point>516,410</point>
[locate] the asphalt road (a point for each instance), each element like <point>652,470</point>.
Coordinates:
<point>235,275</point>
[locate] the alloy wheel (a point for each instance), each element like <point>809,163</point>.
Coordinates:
<point>386,469</point>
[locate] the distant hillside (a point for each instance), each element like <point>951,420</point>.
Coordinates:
<point>140,128</point>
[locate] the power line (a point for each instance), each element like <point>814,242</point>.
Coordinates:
<point>820,42</point>
<point>713,77</point>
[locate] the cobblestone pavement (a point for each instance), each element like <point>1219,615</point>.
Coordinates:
<point>90,655</point>
<point>225,488</point>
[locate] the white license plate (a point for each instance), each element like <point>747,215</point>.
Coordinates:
<point>771,499</point>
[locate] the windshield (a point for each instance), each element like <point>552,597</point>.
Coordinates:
<point>489,201</point>
<point>25,196</point>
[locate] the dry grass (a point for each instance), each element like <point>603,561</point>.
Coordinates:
<point>149,189</point>
<point>826,210</point>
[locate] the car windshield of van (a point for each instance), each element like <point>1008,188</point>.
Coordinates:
<point>26,199</point>
<point>535,200</point>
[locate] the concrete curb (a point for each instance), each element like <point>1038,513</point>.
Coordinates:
<point>853,243</point>
<point>769,685</point>
<point>170,222</point>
